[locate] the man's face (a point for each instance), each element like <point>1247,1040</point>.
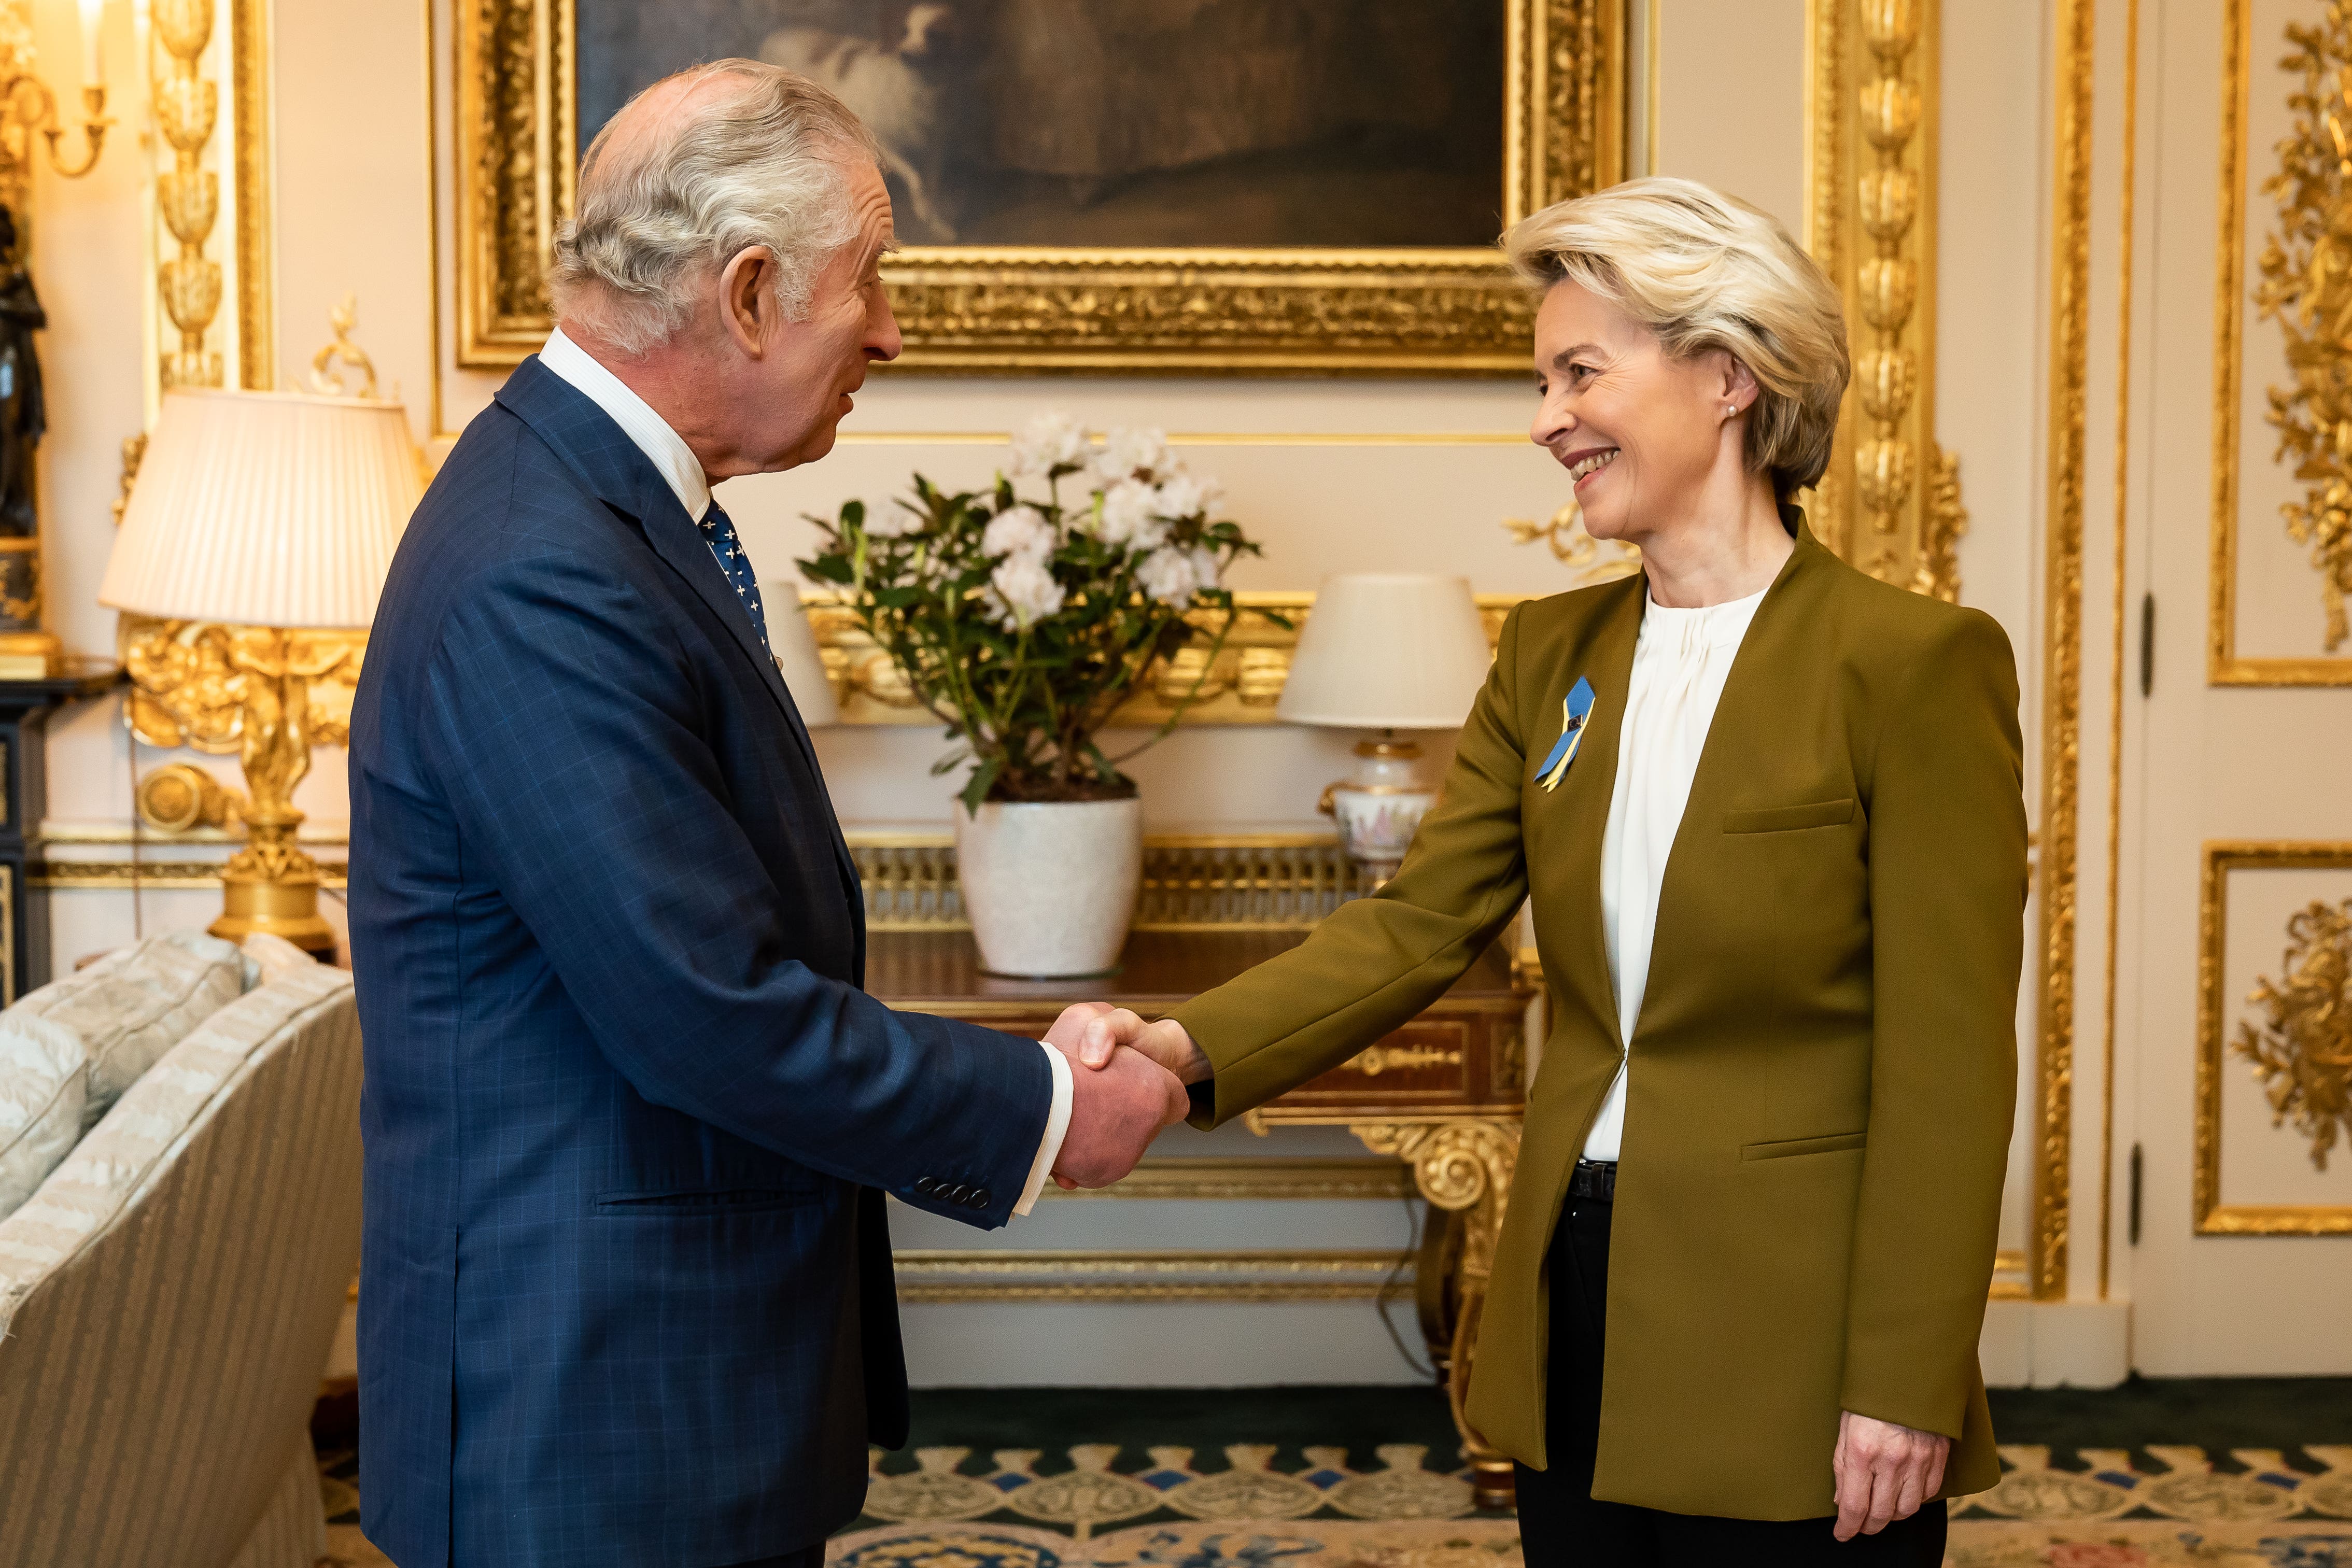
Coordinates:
<point>803,384</point>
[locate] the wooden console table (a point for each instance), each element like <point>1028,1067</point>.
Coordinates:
<point>1445,1094</point>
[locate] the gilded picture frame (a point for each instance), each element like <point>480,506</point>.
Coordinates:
<point>2215,1013</point>
<point>1410,311</point>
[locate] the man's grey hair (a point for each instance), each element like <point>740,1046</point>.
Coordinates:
<point>765,164</point>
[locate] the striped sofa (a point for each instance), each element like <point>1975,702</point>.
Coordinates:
<point>168,1292</point>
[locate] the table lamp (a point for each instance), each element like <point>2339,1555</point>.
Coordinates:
<point>797,659</point>
<point>1386,652</point>
<point>268,515</point>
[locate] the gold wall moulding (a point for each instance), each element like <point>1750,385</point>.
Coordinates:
<point>1379,311</point>
<point>1241,687</point>
<point>2304,290</point>
<point>2318,957</point>
<point>2054,865</point>
<point>122,876</point>
<point>2308,200</point>
<point>978,1274</point>
<point>189,57</point>
<point>1890,501</point>
<point>1256,1181</point>
<point>2302,1049</point>
<point>188,690</point>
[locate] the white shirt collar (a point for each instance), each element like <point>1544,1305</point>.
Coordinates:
<point>671,456</point>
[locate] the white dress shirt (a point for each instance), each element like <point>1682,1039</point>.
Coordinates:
<point>678,464</point>
<point>1680,661</point>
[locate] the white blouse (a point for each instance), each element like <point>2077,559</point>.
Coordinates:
<point>1680,661</point>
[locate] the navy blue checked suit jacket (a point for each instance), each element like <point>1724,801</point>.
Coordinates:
<point>625,1293</point>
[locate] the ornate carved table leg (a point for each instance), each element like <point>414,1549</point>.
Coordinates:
<point>1463,1167</point>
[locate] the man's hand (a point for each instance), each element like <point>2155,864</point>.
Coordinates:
<point>1090,1031</point>
<point>1114,1114</point>
<point>1883,1472</point>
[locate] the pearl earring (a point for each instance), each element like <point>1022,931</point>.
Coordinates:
<point>1731,411</point>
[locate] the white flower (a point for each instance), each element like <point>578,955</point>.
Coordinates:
<point>892,520</point>
<point>1130,517</point>
<point>1048,442</point>
<point>1181,495</point>
<point>1205,570</point>
<point>1166,575</point>
<point>1021,532</point>
<point>1028,591</point>
<point>1127,453</point>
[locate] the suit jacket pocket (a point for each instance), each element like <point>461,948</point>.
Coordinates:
<point>1789,818</point>
<point>1782,1149</point>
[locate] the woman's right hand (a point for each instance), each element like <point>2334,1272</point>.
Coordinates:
<point>1100,1029</point>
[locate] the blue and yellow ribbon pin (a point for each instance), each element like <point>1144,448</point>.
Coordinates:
<point>1574,709</point>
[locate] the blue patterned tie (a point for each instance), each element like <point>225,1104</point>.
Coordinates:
<point>719,530</point>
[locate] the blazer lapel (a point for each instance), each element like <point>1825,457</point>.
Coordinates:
<point>1745,720</point>
<point>1605,658</point>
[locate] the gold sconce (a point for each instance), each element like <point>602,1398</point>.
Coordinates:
<point>28,106</point>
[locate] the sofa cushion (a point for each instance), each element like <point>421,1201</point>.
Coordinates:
<point>44,1080</point>
<point>108,1171</point>
<point>133,1005</point>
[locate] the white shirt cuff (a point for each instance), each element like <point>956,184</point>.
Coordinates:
<point>1058,1126</point>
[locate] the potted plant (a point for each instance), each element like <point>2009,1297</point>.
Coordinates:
<point>1022,623</point>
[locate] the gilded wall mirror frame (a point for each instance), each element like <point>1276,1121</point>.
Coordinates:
<point>1203,310</point>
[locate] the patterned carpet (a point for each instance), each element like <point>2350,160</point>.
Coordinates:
<point>1195,1504</point>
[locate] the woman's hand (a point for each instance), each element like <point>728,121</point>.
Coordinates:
<point>1883,1472</point>
<point>1092,1031</point>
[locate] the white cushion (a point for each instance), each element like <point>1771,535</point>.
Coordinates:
<point>106,1172</point>
<point>133,1005</point>
<point>43,1082</point>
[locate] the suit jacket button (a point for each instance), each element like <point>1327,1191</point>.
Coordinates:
<point>979,1198</point>
<point>926,1186</point>
<point>954,1193</point>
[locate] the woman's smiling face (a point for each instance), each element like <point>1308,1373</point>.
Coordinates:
<point>1638,430</point>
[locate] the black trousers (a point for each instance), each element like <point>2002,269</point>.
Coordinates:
<point>1560,1525</point>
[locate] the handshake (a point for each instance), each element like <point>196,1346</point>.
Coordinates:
<point>1128,1080</point>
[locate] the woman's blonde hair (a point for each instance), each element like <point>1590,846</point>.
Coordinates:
<point>1703,270</point>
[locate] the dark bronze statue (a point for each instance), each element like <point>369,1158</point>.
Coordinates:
<point>22,418</point>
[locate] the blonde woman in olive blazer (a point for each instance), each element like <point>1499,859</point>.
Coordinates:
<point>1768,1352</point>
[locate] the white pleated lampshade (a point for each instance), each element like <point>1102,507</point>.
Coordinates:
<point>264,509</point>
<point>1388,652</point>
<point>794,641</point>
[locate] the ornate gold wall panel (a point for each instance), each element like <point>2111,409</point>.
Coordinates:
<point>204,78</point>
<point>2299,275</point>
<point>2301,1012</point>
<point>1422,310</point>
<point>1890,502</point>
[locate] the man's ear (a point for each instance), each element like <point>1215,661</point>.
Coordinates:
<point>747,310</point>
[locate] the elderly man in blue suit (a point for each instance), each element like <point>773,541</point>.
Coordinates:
<point>625,1293</point>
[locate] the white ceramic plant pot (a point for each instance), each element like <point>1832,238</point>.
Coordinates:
<point>1050,886</point>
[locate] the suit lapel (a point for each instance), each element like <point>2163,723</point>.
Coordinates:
<point>1605,658</point>
<point>622,476</point>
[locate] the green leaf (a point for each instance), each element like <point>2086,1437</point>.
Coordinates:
<point>853,514</point>
<point>898,598</point>
<point>976,787</point>
<point>828,569</point>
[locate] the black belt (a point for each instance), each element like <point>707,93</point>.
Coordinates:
<point>1595,1182</point>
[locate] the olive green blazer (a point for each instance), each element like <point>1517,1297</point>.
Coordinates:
<point>1825,1068</point>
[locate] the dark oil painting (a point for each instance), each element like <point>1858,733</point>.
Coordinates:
<point>1126,123</point>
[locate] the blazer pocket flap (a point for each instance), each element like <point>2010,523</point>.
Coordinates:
<point>1780,1149</point>
<point>1788,819</point>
